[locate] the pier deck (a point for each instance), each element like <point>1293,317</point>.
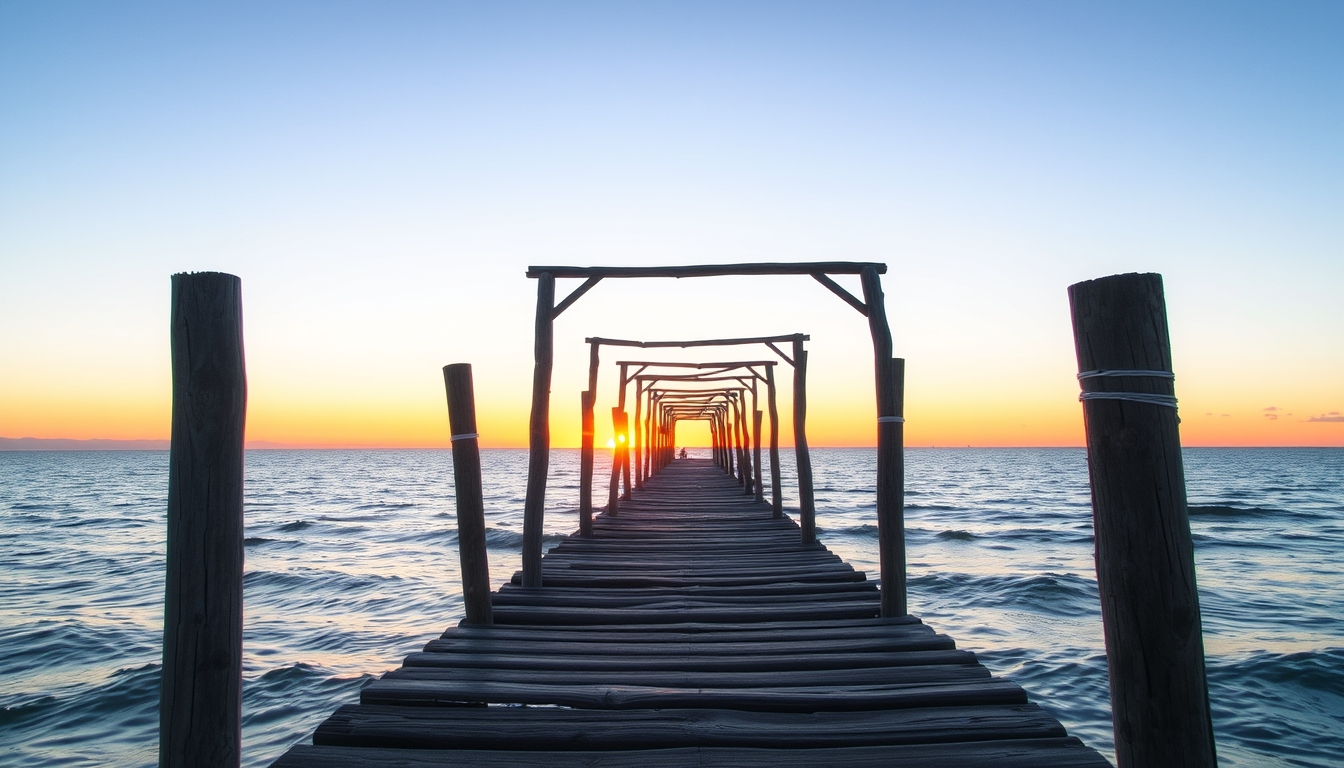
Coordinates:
<point>692,629</point>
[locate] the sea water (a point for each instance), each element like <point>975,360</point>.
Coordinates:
<point>352,564</point>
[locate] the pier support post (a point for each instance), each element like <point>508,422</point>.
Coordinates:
<point>468,493</point>
<point>618,422</point>
<point>539,431</point>
<point>200,704</point>
<point>890,385</point>
<point>807,508</point>
<point>1144,553</point>
<point>776,500</point>
<point>586,465</point>
<point>756,453</point>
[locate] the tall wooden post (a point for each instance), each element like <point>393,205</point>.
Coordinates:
<point>756,453</point>
<point>743,440</point>
<point>1144,553</point>
<point>807,510</point>
<point>586,465</point>
<point>639,434</point>
<point>539,432</point>
<point>467,490</point>
<point>200,704</point>
<point>890,383</point>
<point>624,445</point>
<point>617,460</point>
<point>776,500</point>
<point>587,402</point>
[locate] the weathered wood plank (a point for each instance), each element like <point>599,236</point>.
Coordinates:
<point>533,728</point>
<point>1065,752</point>
<point>609,666</point>
<point>798,699</point>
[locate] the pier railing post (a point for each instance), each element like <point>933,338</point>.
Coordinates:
<point>539,431</point>
<point>756,453</point>
<point>586,465</point>
<point>776,499</point>
<point>200,705</point>
<point>468,493</point>
<point>889,377</point>
<point>617,460</point>
<point>807,509</point>
<point>1144,553</point>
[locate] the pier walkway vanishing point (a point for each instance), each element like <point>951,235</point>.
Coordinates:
<point>694,628</point>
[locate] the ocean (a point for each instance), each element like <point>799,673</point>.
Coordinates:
<point>352,563</point>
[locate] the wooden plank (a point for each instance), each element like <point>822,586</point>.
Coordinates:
<point>929,673</point>
<point>705,629</point>
<point>692,663</point>
<point>799,699</point>
<point>714,270</point>
<point>1065,752</point>
<point>534,728</point>
<point>549,648</point>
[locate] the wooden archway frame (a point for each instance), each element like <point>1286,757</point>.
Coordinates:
<point>889,375</point>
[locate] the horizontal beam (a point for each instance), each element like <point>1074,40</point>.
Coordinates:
<point>696,343</point>
<point>734,364</point>
<point>715,270</point>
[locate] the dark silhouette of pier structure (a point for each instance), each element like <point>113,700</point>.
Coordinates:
<point>691,622</point>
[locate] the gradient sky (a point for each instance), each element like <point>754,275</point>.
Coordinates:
<point>381,174</point>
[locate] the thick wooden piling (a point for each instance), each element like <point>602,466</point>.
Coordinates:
<point>586,465</point>
<point>467,491</point>
<point>200,704</point>
<point>756,453</point>
<point>539,431</point>
<point>1144,553</point>
<point>620,427</point>
<point>890,384</point>
<point>807,510</point>
<point>587,401</point>
<point>776,500</point>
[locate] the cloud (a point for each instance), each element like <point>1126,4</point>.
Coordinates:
<point>1270,408</point>
<point>1332,416</point>
<point>1272,416</point>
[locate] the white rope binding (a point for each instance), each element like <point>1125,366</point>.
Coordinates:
<point>1168,401</point>
<point>467,436</point>
<point>890,419</point>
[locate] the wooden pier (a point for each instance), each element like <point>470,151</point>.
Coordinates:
<point>695,628</point>
<point>692,622</point>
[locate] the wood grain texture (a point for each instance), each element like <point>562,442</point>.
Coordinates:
<point>200,706</point>
<point>539,431</point>
<point>1144,553</point>
<point>468,494</point>
<point>695,628</point>
<point>713,270</point>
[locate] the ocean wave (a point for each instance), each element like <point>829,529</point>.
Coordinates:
<point>1288,705</point>
<point>1220,510</point>
<point>1055,594</point>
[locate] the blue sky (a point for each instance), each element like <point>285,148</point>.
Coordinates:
<point>381,174</point>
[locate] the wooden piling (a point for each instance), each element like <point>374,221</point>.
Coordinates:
<point>587,401</point>
<point>776,499</point>
<point>539,431</point>
<point>890,378</point>
<point>807,510</point>
<point>467,491</point>
<point>586,465</point>
<point>639,435</point>
<point>1144,553</point>
<point>756,453</point>
<point>619,423</point>
<point>200,704</point>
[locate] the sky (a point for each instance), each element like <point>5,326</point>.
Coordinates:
<point>381,175</point>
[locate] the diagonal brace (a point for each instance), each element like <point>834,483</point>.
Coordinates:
<point>839,290</point>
